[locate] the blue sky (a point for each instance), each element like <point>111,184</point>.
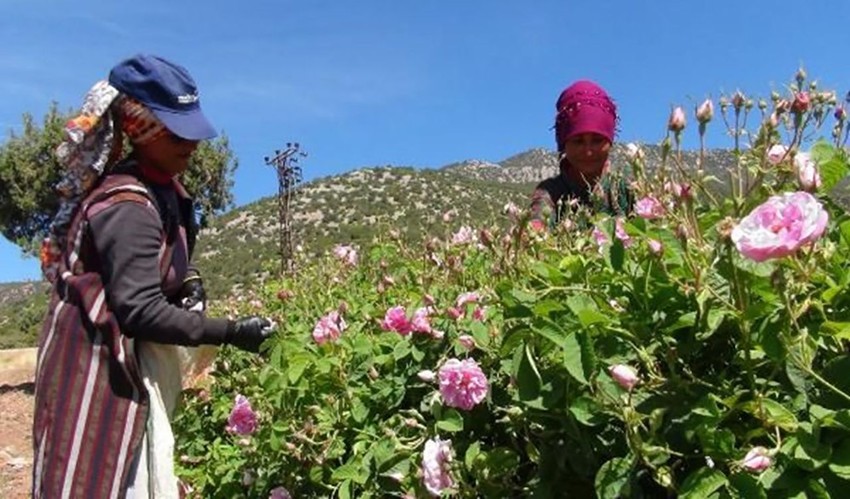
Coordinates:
<point>413,83</point>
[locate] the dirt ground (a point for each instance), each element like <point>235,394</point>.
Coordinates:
<point>17,368</point>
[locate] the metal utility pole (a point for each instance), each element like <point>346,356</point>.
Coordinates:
<point>288,175</point>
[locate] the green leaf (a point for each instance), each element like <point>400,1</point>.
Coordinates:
<point>574,358</point>
<point>840,462</point>
<point>612,479</point>
<point>747,486</point>
<point>528,377</point>
<point>844,228</point>
<point>837,329</point>
<point>524,297</point>
<point>587,411</point>
<point>296,368</point>
<point>618,255</point>
<point>472,453</point>
<point>702,483</point>
<point>450,421</point>
<point>551,331</point>
<point>354,471</point>
<point>586,311</point>
<point>359,411</point>
<point>832,172</point>
<point>772,413</point>
<point>481,334</point>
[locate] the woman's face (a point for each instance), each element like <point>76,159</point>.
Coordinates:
<point>168,153</point>
<point>587,154</point>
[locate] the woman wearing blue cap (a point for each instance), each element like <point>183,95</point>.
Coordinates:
<point>125,299</point>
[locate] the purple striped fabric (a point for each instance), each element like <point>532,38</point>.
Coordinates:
<point>90,403</point>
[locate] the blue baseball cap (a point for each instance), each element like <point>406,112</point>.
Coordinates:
<point>167,90</point>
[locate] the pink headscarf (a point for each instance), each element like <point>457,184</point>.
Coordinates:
<point>584,107</point>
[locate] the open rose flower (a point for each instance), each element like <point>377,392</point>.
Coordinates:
<point>396,320</point>
<point>242,419</point>
<point>329,328</point>
<point>421,322</point>
<point>462,384</point>
<point>649,208</point>
<point>780,226</point>
<point>346,254</point>
<point>436,466</point>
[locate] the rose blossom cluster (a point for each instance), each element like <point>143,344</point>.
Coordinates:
<point>396,320</point>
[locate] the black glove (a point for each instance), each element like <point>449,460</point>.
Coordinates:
<point>248,333</point>
<point>192,293</point>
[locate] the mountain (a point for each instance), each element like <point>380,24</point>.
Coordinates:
<point>240,248</point>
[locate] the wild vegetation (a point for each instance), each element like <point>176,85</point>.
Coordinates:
<point>695,349</point>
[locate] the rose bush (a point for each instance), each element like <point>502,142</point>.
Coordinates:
<point>701,351</point>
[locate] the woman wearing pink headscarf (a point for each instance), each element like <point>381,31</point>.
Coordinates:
<point>585,126</point>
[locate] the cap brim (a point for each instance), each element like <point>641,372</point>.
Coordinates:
<point>190,126</point>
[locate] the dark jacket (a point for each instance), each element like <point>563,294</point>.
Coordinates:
<point>556,197</point>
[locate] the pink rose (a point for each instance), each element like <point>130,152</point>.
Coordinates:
<point>242,419</point>
<point>600,237</point>
<point>329,328</point>
<point>780,226</point>
<point>756,460</point>
<point>705,111</point>
<point>511,210</point>
<point>624,375</point>
<point>346,254</point>
<point>776,154</point>
<point>396,320</point>
<point>537,225</point>
<point>649,208</point>
<point>454,313</point>
<point>801,102</point>
<point>436,466</point>
<point>677,120</point>
<point>464,298</point>
<point>681,191</point>
<point>279,493</point>
<point>421,323</point>
<point>464,235</point>
<point>479,313</point>
<point>807,172</point>
<point>462,384</point>
<point>467,342</point>
<point>655,247</point>
<point>621,234</point>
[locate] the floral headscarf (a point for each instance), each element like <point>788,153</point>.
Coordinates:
<point>93,143</point>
